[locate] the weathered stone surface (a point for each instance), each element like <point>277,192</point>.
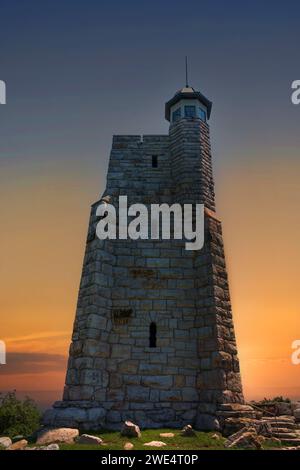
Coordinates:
<point>207,422</point>
<point>139,394</point>
<point>48,447</point>
<point>284,408</point>
<point>128,285</point>
<point>71,416</point>
<point>247,439</point>
<point>157,381</point>
<point>49,436</point>
<point>188,431</point>
<point>296,413</point>
<point>130,429</point>
<point>162,415</point>
<point>51,447</point>
<point>19,445</point>
<point>128,446</point>
<point>88,439</point>
<point>96,415</point>
<point>155,444</point>
<point>5,442</point>
<point>233,425</point>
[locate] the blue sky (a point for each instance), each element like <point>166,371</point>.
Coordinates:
<point>77,72</point>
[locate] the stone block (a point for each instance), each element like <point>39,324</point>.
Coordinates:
<point>137,394</point>
<point>121,351</point>
<point>170,395</point>
<point>157,381</point>
<point>128,367</point>
<point>96,321</point>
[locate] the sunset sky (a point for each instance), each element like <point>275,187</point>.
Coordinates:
<point>79,72</point>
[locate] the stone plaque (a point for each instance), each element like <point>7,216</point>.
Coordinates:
<point>121,316</point>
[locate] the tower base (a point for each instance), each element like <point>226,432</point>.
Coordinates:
<point>86,415</point>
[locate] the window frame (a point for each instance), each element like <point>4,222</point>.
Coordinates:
<point>202,115</point>
<point>176,114</point>
<point>190,106</point>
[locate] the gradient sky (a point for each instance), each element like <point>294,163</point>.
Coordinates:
<point>78,72</point>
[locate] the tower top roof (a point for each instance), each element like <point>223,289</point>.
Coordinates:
<point>187,93</point>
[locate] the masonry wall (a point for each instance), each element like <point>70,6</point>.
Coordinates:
<point>126,285</point>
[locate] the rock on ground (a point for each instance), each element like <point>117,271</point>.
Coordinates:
<point>188,431</point>
<point>50,435</point>
<point>155,444</point>
<point>19,445</point>
<point>5,441</point>
<point>17,438</point>
<point>297,414</point>
<point>128,446</point>
<point>237,434</point>
<point>130,429</point>
<point>246,438</point>
<point>166,434</point>
<point>88,439</point>
<point>49,447</point>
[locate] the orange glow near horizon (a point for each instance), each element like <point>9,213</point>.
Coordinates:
<point>44,223</point>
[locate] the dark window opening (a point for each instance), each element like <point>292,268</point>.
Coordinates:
<point>154,161</point>
<point>152,337</point>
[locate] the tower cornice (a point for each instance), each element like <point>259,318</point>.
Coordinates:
<point>187,93</point>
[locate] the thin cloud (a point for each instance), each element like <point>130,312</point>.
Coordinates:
<point>32,363</point>
<point>50,341</point>
<point>42,335</point>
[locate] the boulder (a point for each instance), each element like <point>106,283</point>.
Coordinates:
<point>166,434</point>
<point>188,431</point>
<point>246,439</point>
<point>130,429</point>
<point>49,436</point>
<point>88,439</point>
<point>284,408</point>
<point>296,413</point>
<point>272,441</point>
<point>19,445</point>
<point>5,442</point>
<point>233,425</point>
<point>49,447</point>
<point>17,438</point>
<point>207,422</point>
<point>128,446</point>
<point>155,444</point>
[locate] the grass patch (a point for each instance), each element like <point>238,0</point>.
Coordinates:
<point>114,441</point>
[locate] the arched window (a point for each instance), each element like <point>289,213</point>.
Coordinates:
<point>152,335</point>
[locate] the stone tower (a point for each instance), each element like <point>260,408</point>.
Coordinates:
<point>153,338</point>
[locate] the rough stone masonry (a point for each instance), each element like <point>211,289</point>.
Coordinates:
<point>153,338</point>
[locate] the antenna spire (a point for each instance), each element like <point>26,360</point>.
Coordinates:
<point>186,71</point>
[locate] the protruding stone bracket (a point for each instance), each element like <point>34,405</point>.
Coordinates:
<point>211,214</point>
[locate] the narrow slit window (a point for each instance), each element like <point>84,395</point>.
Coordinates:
<point>152,335</point>
<point>154,161</point>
